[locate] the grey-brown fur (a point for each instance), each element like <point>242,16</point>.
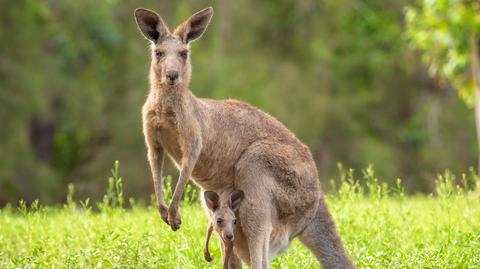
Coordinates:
<point>225,145</point>
<point>223,210</point>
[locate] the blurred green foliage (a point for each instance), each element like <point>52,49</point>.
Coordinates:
<point>339,74</point>
<point>443,30</point>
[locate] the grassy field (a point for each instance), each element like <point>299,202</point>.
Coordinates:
<point>380,226</point>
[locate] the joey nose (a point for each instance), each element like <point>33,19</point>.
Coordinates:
<point>229,237</point>
<point>172,77</point>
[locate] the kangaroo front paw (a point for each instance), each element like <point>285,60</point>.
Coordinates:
<point>163,213</point>
<point>174,219</point>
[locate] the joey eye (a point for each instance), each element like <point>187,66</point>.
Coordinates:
<point>219,221</point>
<point>159,54</point>
<point>234,221</point>
<point>184,54</point>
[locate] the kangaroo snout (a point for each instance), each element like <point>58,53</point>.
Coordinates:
<point>229,237</point>
<point>171,77</point>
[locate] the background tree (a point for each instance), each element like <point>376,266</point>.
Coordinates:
<point>339,74</point>
<point>448,34</point>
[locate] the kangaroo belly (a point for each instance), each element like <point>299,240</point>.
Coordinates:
<point>280,240</point>
<point>278,246</point>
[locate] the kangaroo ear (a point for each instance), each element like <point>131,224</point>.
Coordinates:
<point>236,198</point>
<point>150,24</point>
<point>212,199</point>
<point>194,26</point>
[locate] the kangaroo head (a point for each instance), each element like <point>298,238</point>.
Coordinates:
<point>170,64</point>
<point>223,209</point>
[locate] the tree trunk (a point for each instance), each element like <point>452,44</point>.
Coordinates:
<point>476,76</point>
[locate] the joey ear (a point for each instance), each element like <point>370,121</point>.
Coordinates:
<point>150,24</point>
<point>236,198</point>
<point>212,199</point>
<point>193,27</point>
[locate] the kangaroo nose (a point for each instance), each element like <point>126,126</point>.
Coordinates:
<point>172,77</point>
<point>229,237</point>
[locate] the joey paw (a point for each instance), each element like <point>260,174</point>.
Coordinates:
<point>207,257</point>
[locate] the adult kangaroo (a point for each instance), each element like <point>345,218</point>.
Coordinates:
<point>227,145</point>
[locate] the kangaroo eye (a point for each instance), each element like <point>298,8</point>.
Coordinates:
<point>159,54</point>
<point>219,221</point>
<point>234,221</point>
<point>184,54</point>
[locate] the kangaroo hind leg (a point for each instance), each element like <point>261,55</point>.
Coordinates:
<point>321,237</point>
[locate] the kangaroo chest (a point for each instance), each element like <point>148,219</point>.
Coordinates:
<point>169,141</point>
<point>169,124</point>
<point>166,131</point>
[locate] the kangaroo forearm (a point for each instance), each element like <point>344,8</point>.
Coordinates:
<point>185,174</point>
<point>186,171</point>
<point>209,234</point>
<point>156,158</point>
<point>207,241</point>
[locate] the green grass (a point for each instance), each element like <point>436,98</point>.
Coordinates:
<point>380,226</point>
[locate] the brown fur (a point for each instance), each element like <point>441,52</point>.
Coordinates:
<point>227,145</point>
